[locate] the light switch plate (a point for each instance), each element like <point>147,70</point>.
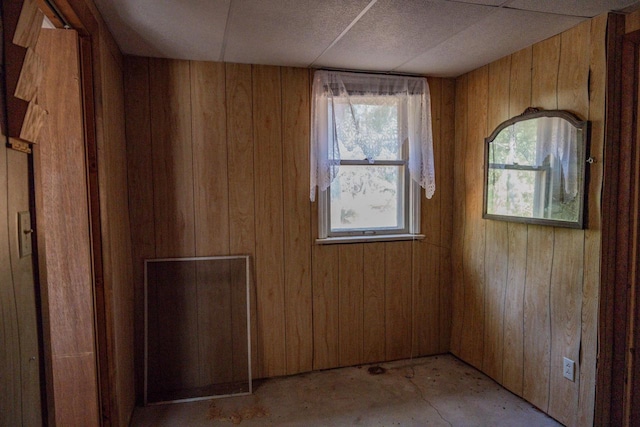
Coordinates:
<point>24,233</point>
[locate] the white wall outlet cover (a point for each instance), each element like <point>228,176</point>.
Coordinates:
<point>568,369</point>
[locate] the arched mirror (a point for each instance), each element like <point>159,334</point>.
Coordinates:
<point>535,169</point>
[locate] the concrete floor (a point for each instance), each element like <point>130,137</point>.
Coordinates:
<point>430,391</point>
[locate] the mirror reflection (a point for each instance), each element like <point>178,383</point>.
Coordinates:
<point>535,169</point>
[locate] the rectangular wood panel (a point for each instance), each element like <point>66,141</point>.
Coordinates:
<point>426,280</point>
<point>458,288</point>
<point>241,189</point>
<point>474,226</point>
<point>592,235</point>
<point>170,100</point>
<point>267,158</point>
<point>374,303</point>
<point>209,139</point>
<point>297,219</point>
<point>497,238</point>
<point>140,190</point>
<point>398,290</point>
<point>519,100</point>
<point>350,301</point>
<point>325,307</point>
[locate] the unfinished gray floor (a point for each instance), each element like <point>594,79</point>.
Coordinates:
<point>430,391</point>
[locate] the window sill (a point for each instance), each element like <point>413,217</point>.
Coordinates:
<point>369,238</point>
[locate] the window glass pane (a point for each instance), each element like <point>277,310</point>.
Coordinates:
<point>516,146</point>
<point>368,197</point>
<point>368,128</point>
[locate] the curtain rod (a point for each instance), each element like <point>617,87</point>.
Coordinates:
<point>386,73</point>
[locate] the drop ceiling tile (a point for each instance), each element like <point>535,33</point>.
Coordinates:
<point>395,31</point>
<point>186,29</point>
<point>286,32</point>
<point>501,33</point>
<point>587,8</point>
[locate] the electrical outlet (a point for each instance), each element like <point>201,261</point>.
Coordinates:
<point>568,369</point>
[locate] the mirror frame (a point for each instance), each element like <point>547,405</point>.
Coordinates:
<point>529,114</point>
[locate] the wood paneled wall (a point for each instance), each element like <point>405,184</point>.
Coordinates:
<point>219,164</point>
<point>525,296</point>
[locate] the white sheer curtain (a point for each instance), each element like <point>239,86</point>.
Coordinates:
<point>557,138</point>
<point>336,120</point>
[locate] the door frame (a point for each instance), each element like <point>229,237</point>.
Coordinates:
<point>618,381</point>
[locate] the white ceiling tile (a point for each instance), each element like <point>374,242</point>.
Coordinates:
<point>395,31</point>
<point>291,32</point>
<point>501,33</point>
<point>588,8</point>
<point>186,29</point>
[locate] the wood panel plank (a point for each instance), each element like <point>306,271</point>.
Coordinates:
<point>566,285</point>
<point>447,161</point>
<point>592,235</point>
<point>76,401</point>
<point>497,238</point>
<point>326,325</point>
<point>140,191</point>
<point>173,194</point>
<point>211,206</point>
<point>446,309</point>
<point>24,291</point>
<point>519,100</point>
<point>297,219</point>
<point>267,135</point>
<point>10,386</point>
<point>537,317</point>
<point>350,301</point>
<point>426,282</point>
<point>446,188</point>
<point>398,289</point>
<point>63,217</point>
<point>458,288</point>
<point>374,303</point>
<point>474,226</point>
<point>209,138</point>
<point>566,302</point>
<point>240,173</point>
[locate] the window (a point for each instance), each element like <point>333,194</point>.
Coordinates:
<point>371,151</point>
